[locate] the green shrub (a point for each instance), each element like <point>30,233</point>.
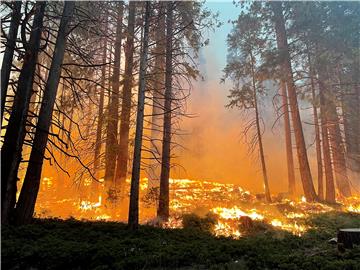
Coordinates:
<point>204,224</point>
<point>257,227</point>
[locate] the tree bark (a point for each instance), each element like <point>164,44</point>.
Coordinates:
<point>27,199</point>
<point>163,209</point>
<point>329,178</point>
<point>100,123</point>
<point>9,52</point>
<point>282,43</point>
<point>112,125</point>
<point>158,96</point>
<point>259,135</point>
<point>334,133</point>
<point>98,142</point>
<point>15,132</point>
<point>123,149</point>
<point>135,177</point>
<point>317,133</point>
<point>338,151</point>
<point>288,143</point>
<point>261,151</point>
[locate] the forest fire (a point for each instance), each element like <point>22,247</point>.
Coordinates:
<point>228,203</point>
<point>260,97</point>
<point>86,205</point>
<point>354,206</point>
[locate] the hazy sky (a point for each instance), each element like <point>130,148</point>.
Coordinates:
<point>227,11</point>
<point>215,149</point>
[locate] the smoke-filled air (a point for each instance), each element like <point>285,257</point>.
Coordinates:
<point>180,135</point>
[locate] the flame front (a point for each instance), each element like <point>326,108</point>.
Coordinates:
<point>227,202</point>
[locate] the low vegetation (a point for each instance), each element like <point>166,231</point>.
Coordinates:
<point>73,244</point>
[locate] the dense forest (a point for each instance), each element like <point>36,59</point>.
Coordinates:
<point>93,93</point>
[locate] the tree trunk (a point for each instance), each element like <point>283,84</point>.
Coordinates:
<point>333,127</point>
<point>259,135</point>
<point>9,52</point>
<point>26,203</point>
<point>100,123</point>
<point>113,113</point>
<point>15,132</point>
<point>288,143</point>
<point>329,178</point>
<point>163,210</point>
<point>98,142</point>
<point>261,151</point>
<point>135,177</point>
<point>158,96</point>
<point>317,134</point>
<point>282,43</point>
<point>123,149</point>
<point>338,151</point>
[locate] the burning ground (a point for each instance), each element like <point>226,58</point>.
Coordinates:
<point>228,205</point>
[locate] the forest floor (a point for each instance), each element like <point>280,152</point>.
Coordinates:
<point>73,244</point>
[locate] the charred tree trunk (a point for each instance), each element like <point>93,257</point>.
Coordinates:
<point>317,134</point>
<point>158,96</point>
<point>334,133</point>
<point>282,43</point>
<point>163,209</point>
<point>9,52</point>
<point>123,149</point>
<point>112,125</point>
<point>26,203</point>
<point>15,132</point>
<point>318,151</point>
<point>329,178</point>
<point>135,177</point>
<point>98,142</point>
<point>259,135</point>
<point>100,123</point>
<point>261,152</point>
<point>338,151</point>
<point>288,143</point>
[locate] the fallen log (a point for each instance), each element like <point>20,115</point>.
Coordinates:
<point>348,237</point>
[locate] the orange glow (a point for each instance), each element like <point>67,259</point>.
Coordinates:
<point>228,202</point>
<point>234,213</point>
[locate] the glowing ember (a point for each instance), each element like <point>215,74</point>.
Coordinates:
<point>86,205</point>
<point>103,217</point>
<point>224,229</point>
<point>293,215</point>
<point>234,213</point>
<point>173,223</point>
<point>276,223</point>
<point>352,208</point>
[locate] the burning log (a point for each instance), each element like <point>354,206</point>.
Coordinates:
<point>348,237</point>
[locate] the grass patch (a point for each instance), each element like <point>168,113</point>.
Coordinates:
<point>72,244</point>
